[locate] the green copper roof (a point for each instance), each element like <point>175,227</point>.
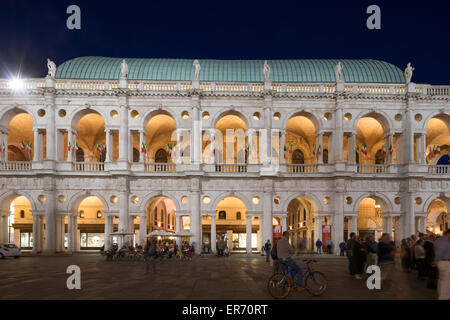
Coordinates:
<point>309,70</point>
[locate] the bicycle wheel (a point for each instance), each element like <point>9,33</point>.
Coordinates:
<point>316,283</point>
<point>279,286</point>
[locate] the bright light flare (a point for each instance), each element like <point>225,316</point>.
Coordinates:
<point>16,84</point>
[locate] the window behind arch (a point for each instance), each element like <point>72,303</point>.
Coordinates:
<point>161,156</point>
<point>298,157</point>
<point>238,215</point>
<point>80,155</point>
<point>379,158</point>
<point>156,216</point>
<point>222,215</point>
<point>136,155</point>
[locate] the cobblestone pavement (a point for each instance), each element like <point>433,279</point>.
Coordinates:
<point>235,278</point>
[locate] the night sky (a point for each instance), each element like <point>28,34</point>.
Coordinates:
<point>412,31</point>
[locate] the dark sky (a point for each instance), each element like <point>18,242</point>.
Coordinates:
<point>416,31</point>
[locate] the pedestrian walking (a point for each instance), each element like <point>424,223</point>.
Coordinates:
<point>359,257</point>
<point>349,251</point>
<point>372,248</point>
<point>150,256</point>
<point>442,261</point>
<point>319,245</point>
<point>342,248</point>
<point>420,259</point>
<point>268,249</point>
<point>386,253</point>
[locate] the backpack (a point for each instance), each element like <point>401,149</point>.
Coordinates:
<point>273,253</point>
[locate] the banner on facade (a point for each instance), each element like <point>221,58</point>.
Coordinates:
<point>277,232</point>
<point>326,236</point>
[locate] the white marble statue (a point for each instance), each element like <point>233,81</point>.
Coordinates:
<point>266,71</point>
<point>124,68</point>
<point>338,71</point>
<point>197,69</point>
<point>51,68</point>
<point>409,73</point>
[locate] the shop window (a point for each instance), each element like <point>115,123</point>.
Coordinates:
<point>222,215</point>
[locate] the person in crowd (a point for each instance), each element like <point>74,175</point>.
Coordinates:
<point>226,252</point>
<point>420,259</point>
<point>359,257</point>
<point>276,268</point>
<point>413,241</point>
<point>329,246</point>
<point>405,255</point>
<point>371,248</point>
<point>319,245</point>
<point>442,261</point>
<point>150,256</point>
<point>349,251</point>
<point>284,254</point>
<point>267,250</point>
<point>342,248</point>
<point>430,267</point>
<point>386,262</point>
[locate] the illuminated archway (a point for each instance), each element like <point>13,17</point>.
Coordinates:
<point>301,139</point>
<point>231,140</point>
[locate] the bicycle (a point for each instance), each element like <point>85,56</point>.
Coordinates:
<point>280,285</point>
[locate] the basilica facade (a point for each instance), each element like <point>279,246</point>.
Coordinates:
<point>219,149</point>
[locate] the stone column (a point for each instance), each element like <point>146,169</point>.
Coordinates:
<point>337,232</point>
<point>109,146</point>
<point>124,217</point>
<point>51,133</point>
<point>409,217</point>
<point>267,233</point>
<point>421,224</point>
<point>123,134</point>
<point>60,147</point>
<point>338,135</point>
<point>283,223</point>
<point>142,140</point>
<point>179,146</point>
<point>178,229</point>
<point>196,220</point>
<point>50,222</point>
<point>70,136</point>
<point>318,230</point>
<point>408,139</point>
<point>36,145</point>
<point>70,235</point>
<point>282,146</point>
<point>249,234</point>
<point>212,134</point>
<point>387,225</point>
<point>423,148</point>
<point>36,225</point>
<point>4,229</point>
<point>353,225</point>
<point>250,133</point>
<point>58,233</point>
<point>267,155</point>
<point>75,240</point>
<point>213,233</point>
<point>196,134</point>
<point>142,230</point>
<point>352,148</point>
<point>108,231</point>
<point>319,139</point>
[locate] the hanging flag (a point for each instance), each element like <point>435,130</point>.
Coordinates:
<point>319,150</point>
<point>290,149</point>
<point>364,149</point>
<point>143,148</point>
<point>30,147</point>
<point>69,147</point>
<point>438,150</point>
<point>104,148</point>
<point>314,150</point>
<point>391,149</point>
<point>22,146</point>
<point>357,149</point>
<point>383,150</point>
<point>76,148</point>
<point>430,154</point>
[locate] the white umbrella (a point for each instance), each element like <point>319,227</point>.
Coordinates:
<point>183,234</point>
<point>160,233</point>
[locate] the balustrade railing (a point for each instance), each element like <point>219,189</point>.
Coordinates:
<point>439,169</point>
<point>373,168</point>
<point>301,168</point>
<point>362,88</point>
<point>231,168</point>
<point>16,166</point>
<point>160,167</point>
<point>88,166</point>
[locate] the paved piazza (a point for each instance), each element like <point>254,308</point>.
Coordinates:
<point>212,278</point>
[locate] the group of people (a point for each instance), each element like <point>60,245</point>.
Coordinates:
<point>423,254</point>
<point>328,248</point>
<point>429,255</point>
<point>154,250</point>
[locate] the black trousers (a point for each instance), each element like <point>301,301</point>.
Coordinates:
<point>351,268</point>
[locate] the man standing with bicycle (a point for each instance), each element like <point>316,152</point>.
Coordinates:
<point>285,252</point>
